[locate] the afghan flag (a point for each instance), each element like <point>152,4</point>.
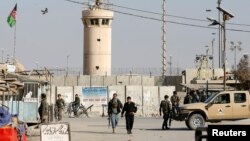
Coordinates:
<point>11,20</point>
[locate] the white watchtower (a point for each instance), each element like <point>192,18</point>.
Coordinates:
<point>97,40</point>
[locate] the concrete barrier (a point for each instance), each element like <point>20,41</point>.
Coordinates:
<point>147,98</point>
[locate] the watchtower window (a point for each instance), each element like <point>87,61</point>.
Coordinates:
<point>94,22</point>
<point>105,21</point>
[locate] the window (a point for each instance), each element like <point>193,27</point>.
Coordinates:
<point>94,22</point>
<point>239,97</point>
<point>222,99</point>
<point>105,21</point>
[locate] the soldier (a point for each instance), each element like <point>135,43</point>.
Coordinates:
<point>60,104</point>
<point>130,109</point>
<point>76,104</point>
<point>165,108</point>
<point>114,108</point>
<point>187,99</point>
<point>43,109</point>
<point>175,99</point>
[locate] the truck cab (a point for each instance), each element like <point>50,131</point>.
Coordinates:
<point>226,105</point>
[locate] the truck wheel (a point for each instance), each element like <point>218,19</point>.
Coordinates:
<point>194,121</point>
<point>186,122</point>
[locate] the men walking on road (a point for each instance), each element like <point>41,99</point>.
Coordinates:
<point>114,108</point>
<point>60,104</point>
<point>43,109</point>
<point>130,109</point>
<point>165,108</point>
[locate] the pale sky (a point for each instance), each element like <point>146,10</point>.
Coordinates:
<point>47,39</point>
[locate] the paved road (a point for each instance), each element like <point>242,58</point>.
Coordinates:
<point>145,129</point>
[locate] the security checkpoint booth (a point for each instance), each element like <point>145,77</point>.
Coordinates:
<point>25,100</point>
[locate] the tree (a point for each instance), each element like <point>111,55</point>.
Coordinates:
<point>243,72</point>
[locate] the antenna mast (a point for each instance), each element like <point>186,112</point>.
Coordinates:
<point>164,64</point>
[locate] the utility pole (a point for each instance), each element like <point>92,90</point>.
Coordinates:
<point>226,17</point>
<point>219,41</point>
<point>164,64</point>
<point>170,65</point>
<point>213,53</point>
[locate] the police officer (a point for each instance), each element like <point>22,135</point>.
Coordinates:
<point>130,109</point>
<point>43,109</point>
<point>60,104</point>
<point>165,108</point>
<point>114,108</point>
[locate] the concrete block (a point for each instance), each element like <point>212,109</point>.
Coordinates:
<point>150,101</point>
<point>66,92</point>
<point>70,80</point>
<point>166,90</point>
<point>120,90</point>
<point>58,80</point>
<point>109,80</point>
<point>84,80</point>
<point>135,80</point>
<point>148,81</point>
<point>135,92</point>
<point>122,80</point>
<point>96,81</point>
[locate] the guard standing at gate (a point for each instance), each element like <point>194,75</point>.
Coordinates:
<point>165,108</point>
<point>60,104</point>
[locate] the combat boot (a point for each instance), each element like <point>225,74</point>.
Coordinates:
<point>163,127</point>
<point>113,130</point>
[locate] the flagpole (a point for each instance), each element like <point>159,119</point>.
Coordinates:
<point>14,50</point>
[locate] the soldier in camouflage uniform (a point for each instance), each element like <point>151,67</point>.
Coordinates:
<point>165,108</point>
<point>43,109</point>
<point>60,104</point>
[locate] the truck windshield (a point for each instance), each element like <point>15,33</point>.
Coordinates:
<point>211,97</point>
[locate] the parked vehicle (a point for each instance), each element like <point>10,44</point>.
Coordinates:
<point>225,105</point>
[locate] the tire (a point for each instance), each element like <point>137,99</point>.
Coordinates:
<point>186,122</point>
<point>194,121</point>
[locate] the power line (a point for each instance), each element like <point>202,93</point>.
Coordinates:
<point>179,23</point>
<point>168,21</point>
<point>175,16</point>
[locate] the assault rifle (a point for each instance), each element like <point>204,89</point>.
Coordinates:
<point>109,120</point>
<point>170,118</point>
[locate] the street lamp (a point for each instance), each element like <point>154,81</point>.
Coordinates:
<point>213,50</point>
<point>234,47</point>
<point>226,16</point>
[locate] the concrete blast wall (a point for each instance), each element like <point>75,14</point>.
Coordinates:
<point>147,98</point>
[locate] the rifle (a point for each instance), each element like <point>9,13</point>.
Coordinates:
<point>170,118</point>
<point>109,119</point>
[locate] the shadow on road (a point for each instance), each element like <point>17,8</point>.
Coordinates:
<point>94,132</point>
<point>171,129</point>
